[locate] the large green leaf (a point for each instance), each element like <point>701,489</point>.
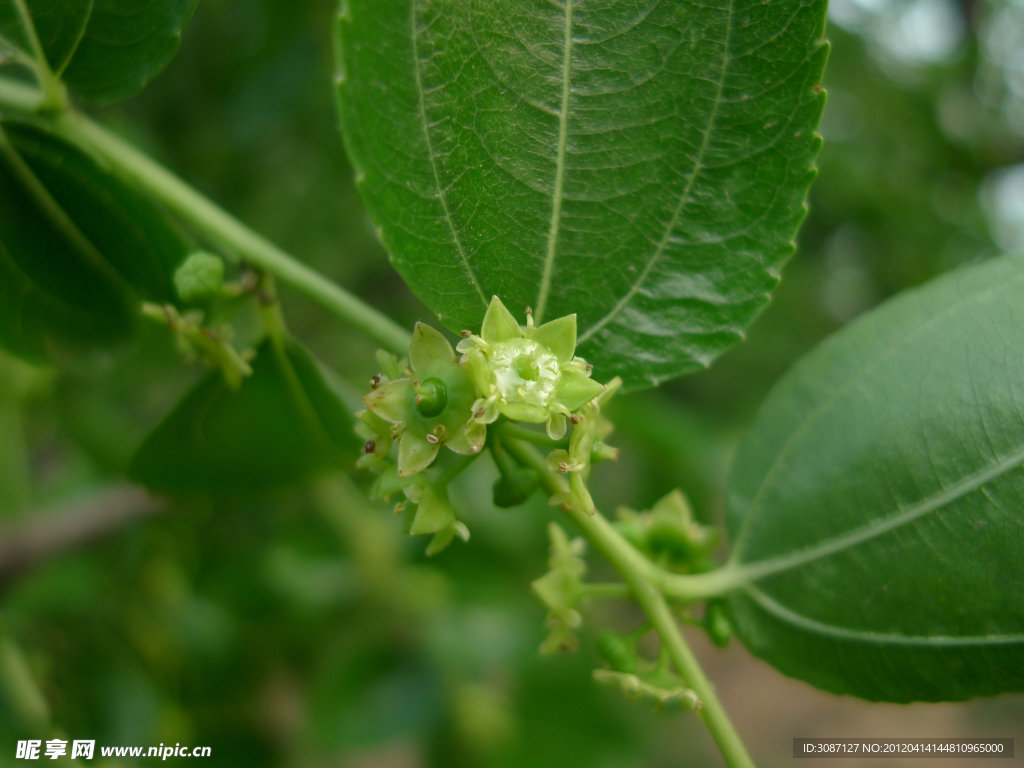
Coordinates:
<point>104,50</point>
<point>877,504</point>
<point>642,163</point>
<point>285,423</point>
<point>77,246</point>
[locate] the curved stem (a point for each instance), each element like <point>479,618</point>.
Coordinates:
<point>644,580</point>
<point>225,230</point>
<point>20,97</point>
<point>606,590</point>
<point>456,468</point>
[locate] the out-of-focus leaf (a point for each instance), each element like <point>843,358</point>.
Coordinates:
<point>77,247</point>
<point>285,423</point>
<point>877,503</point>
<point>641,164</point>
<point>104,50</point>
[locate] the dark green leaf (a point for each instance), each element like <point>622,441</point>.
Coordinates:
<point>285,423</point>
<point>76,245</point>
<point>643,164</point>
<point>104,50</point>
<point>877,505</point>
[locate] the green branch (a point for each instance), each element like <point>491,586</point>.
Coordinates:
<point>605,590</point>
<point>226,231</point>
<point>19,97</point>
<point>645,581</point>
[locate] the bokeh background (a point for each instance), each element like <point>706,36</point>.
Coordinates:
<point>301,628</point>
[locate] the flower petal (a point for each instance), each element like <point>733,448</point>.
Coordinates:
<point>479,371</point>
<point>375,423</point>
<point>485,411</point>
<point>391,401</point>
<point>441,540</point>
<point>499,325</point>
<point>575,389</point>
<point>415,453</point>
<point>559,336</point>
<point>428,346</point>
<point>469,440</point>
<point>556,426</point>
<point>559,458</point>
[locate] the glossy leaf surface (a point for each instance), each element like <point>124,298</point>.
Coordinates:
<point>285,423</point>
<point>104,50</point>
<point>877,504</point>
<point>77,247</point>
<point>641,163</point>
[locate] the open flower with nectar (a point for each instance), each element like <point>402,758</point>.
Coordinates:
<point>527,374</point>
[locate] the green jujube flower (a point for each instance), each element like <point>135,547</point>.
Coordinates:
<point>431,408</point>
<point>527,374</point>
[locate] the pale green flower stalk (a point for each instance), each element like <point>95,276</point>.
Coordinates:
<point>585,447</point>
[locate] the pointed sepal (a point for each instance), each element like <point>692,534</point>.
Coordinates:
<point>575,389</point>
<point>559,336</point>
<point>499,324</point>
<point>415,453</point>
<point>428,346</point>
<point>391,400</point>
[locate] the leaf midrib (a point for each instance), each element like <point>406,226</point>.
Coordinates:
<point>684,196</point>
<point>563,136</point>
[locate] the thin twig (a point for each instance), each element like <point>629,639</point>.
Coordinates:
<point>40,537</point>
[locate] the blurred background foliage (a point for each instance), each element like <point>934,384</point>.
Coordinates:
<point>301,628</point>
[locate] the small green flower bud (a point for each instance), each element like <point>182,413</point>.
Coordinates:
<point>558,588</point>
<point>515,487</point>
<point>390,365</point>
<point>716,623</point>
<point>641,688</point>
<point>668,532</point>
<point>561,636</point>
<point>618,651</point>
<point>200,277</point>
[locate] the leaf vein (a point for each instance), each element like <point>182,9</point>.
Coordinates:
<point>441,196</point>
<point>683,198</point>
